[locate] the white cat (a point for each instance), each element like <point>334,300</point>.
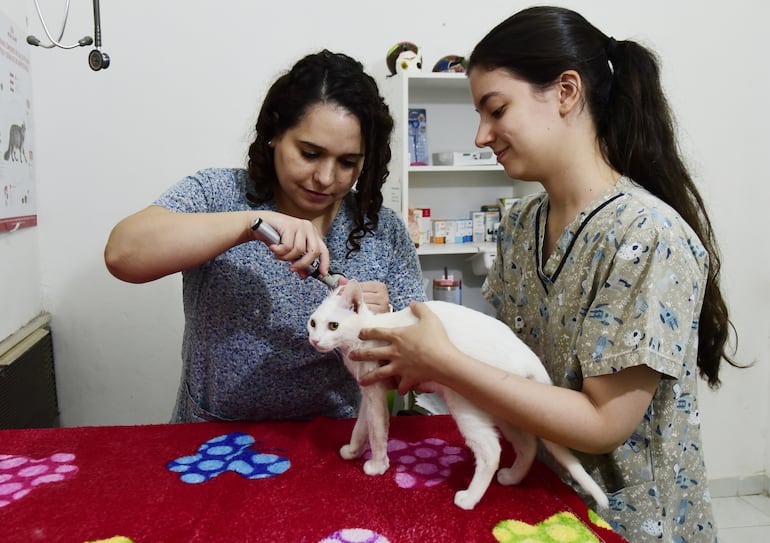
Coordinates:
<point>336,323</point>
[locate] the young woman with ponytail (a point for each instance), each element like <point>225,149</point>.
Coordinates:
<point>611,275</point>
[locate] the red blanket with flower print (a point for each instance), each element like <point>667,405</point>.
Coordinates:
<point>277,482</point>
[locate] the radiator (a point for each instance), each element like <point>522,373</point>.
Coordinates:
<point>27,381</point>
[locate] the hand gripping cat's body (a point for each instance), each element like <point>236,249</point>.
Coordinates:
<point>336,324</point>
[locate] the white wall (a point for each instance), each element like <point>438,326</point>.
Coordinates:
<point>182,93</point>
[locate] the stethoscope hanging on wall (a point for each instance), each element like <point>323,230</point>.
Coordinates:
<point>97,59</point>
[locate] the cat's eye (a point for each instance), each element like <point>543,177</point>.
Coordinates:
<point>333,326</point>
<point>312,323</point>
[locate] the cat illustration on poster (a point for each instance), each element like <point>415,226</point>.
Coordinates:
<point>15,151</point>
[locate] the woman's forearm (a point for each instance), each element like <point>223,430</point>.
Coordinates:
<point>156,242</point>
<point>595,420</point>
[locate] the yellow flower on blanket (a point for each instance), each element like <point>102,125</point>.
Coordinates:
<point>599,521</point>
<point>560,528</point>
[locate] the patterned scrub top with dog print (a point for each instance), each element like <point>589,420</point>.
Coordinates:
<point>623,287</point>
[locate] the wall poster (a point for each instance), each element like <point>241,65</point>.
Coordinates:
<point>18,207</point>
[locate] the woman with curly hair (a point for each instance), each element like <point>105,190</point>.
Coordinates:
<point>315,173</point>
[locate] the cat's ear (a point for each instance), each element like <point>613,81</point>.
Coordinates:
<point>352,295</point>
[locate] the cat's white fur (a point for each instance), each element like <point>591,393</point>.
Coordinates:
<point>336,324</point>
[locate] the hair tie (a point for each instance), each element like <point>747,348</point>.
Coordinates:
<point>610,49</point>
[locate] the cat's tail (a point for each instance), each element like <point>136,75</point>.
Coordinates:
<point>7,154</point>
<point>578,472</point>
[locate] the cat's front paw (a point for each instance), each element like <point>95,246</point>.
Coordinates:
<point>466,500</point>
<point>509,476</point>
<point>349,452</point>
<point>376,467</point>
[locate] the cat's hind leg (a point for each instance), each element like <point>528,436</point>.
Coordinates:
<point>482,439</point>
<point>525,445</point>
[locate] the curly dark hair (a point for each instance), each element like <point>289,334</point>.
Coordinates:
<point>634,125</point>
<point>326,78</point>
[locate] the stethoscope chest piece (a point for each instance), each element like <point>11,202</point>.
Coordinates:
<point>98,60</point>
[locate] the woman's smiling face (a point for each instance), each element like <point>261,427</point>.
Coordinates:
<point>518,121</point>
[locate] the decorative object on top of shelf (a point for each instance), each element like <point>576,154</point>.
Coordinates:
<point>404,57</point>
<point>451,63</point>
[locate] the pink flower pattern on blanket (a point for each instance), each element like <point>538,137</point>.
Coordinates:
<point>19,475</point>
<point>423,463</point>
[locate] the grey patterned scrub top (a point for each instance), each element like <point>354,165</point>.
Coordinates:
<point>245,350</point>
<point>623,287</point>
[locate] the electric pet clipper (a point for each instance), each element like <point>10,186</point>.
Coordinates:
<point>272,236</point>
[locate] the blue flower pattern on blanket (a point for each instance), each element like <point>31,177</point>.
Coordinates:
<point>229,452</point>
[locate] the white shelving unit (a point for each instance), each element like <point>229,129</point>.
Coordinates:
<point>451,192</point>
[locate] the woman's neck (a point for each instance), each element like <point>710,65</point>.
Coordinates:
<point>575,186</point>
<point>570,194</point>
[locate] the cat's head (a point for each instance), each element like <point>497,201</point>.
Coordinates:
<point>335,324</point>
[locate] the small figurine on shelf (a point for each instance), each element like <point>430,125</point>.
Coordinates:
<point>404,57</point>
<point>451,63</point>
